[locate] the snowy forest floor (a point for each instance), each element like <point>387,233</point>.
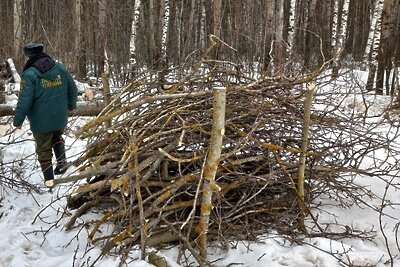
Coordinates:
<point>32,223</point>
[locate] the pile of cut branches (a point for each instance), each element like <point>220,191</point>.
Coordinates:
<point>145,172</point>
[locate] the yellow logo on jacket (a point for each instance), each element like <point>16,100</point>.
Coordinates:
<point>51,83</point>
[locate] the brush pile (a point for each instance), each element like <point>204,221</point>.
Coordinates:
<point>155,135</point>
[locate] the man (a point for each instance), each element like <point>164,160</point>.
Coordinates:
<point>47,94</point>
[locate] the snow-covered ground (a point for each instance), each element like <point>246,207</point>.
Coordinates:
<point>32,224</point>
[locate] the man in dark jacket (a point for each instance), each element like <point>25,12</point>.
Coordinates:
<point>47,93</point>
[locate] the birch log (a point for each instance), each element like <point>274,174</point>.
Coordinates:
<point>211,165</point>
<point>14,72</point>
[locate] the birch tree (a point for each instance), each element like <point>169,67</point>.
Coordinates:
<point>338,28</point>
<point>374,33</point>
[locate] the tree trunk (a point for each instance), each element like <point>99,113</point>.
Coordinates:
<point>339,24</point>
<point>161,31</point>
<point>383,55</point>
<point>217,8</point>
<point>326,24</point>
<point>102,40</point>
<point>17,28</point>
<point>373,35</point>
<point>313,41</point>
<point>371,77</point>
<point>299,30</point>
<point>172,47</point>
<point>269,31</point>
<point>279,43</point>
<point>151,41</point>
<point>199,38</point>
<point>217,17</point>
<point>132,53</point>
<point>79,64</point>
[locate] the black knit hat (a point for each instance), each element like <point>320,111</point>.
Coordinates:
<point>33,49</point>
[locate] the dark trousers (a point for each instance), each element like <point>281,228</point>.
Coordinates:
<point>45,142</point>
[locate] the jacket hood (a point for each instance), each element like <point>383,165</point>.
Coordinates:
<point>42,62</point>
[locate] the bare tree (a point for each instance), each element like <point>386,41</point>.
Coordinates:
<point>385,52</point>
<point>358,27</point>
<point>17,26</point>
<point>102,37</point>
<point>80,61</point>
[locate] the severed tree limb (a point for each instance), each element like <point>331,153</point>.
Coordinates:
<point>90,187</point>
<point>162,237</point>
<point>126,238</point>
<point>82,210</point>
<point>142,218</point>
<point>200,260</point>
<point>87,129</point>
<point>14,72</point>
<point>102,170</point>
<point>303,152</point>
<point>211,166</point>
<point>157,260</point>
<point>98,224</point>
<point>82,109</point>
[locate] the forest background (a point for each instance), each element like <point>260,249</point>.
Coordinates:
<point>266,36</point>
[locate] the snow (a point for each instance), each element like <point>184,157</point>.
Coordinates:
<point>32,223</point>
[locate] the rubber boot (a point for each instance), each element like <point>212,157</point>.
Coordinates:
<point>47,169</point>
<point>59,151</point>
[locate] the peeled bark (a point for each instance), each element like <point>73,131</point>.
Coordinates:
<point>304,139</point>
<point>211,165</point>
<point>303,153</point>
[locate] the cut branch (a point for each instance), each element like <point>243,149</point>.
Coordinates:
<point>83,109</point>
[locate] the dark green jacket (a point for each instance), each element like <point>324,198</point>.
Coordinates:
<point>45,98</point>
